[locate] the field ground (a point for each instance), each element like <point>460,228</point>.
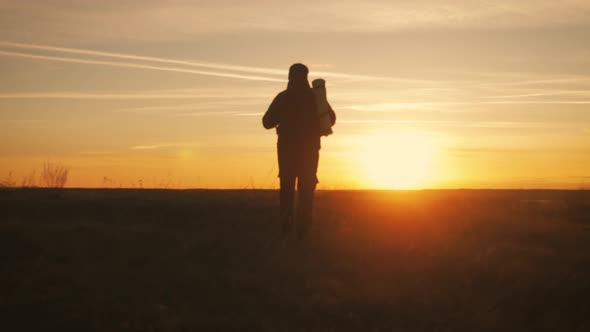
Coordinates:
<point>164,260</point>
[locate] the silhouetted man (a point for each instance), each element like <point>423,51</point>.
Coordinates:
<point>294,114</point>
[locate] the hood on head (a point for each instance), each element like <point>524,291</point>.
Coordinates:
<point>298,70</point>
<point>298,76</point>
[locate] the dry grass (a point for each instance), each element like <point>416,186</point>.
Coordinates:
<point>54,175</point>
<point>29,181</point>
<point>164,260</point>
<point>8,181</point>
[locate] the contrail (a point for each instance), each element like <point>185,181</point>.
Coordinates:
<point>432,105</point>
<point>531,102</point>
<point>244,69</point>
<point>113,96</point>
<point>481,124</point>
<point>202,105</point>
<point>140,66</point>
<point>155,146</point>
<point>247,69</point>
<point>537,82</point>
<point>145,58</point>
<point>544,94</point>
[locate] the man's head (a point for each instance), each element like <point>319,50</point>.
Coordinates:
<point>298,77</point>
<point>298,71</point>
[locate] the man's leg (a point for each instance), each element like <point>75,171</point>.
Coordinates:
<point>305,190</point>
<point>287,195</point>
<point>306,185</point>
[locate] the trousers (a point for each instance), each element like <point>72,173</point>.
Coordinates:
<point>298,169</point>
<point>305,193</point>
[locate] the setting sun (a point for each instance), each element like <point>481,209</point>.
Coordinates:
<point>400,160</point>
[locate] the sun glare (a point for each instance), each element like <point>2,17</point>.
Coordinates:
<point>401,160</point>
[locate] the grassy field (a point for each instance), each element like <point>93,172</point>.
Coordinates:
<point>164,260</point>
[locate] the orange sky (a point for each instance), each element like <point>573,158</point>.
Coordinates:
<point>465,94</point>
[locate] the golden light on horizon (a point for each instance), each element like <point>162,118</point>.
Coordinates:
<point>185,154</point>
<point>459,94</point>
<point>398,160</point>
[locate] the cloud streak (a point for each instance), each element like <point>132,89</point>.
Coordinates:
<point>139,66</point>
<point>462,124</point>
<point>156,20</point>
<point>113,96</point>
<point>198,64</point>
<point>257,70</point>
<point>159,146</point>
<point>390,107</point>
<point>545,94</point>
<point>440,106</point>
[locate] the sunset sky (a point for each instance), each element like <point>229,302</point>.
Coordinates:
<point>428,94</point>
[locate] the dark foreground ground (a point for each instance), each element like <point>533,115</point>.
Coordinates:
<point>157,260</point>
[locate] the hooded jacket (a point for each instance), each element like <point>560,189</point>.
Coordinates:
<point>294,114</point>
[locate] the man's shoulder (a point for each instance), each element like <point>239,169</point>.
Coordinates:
<point>281,94</point>
<point>280,98</point>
